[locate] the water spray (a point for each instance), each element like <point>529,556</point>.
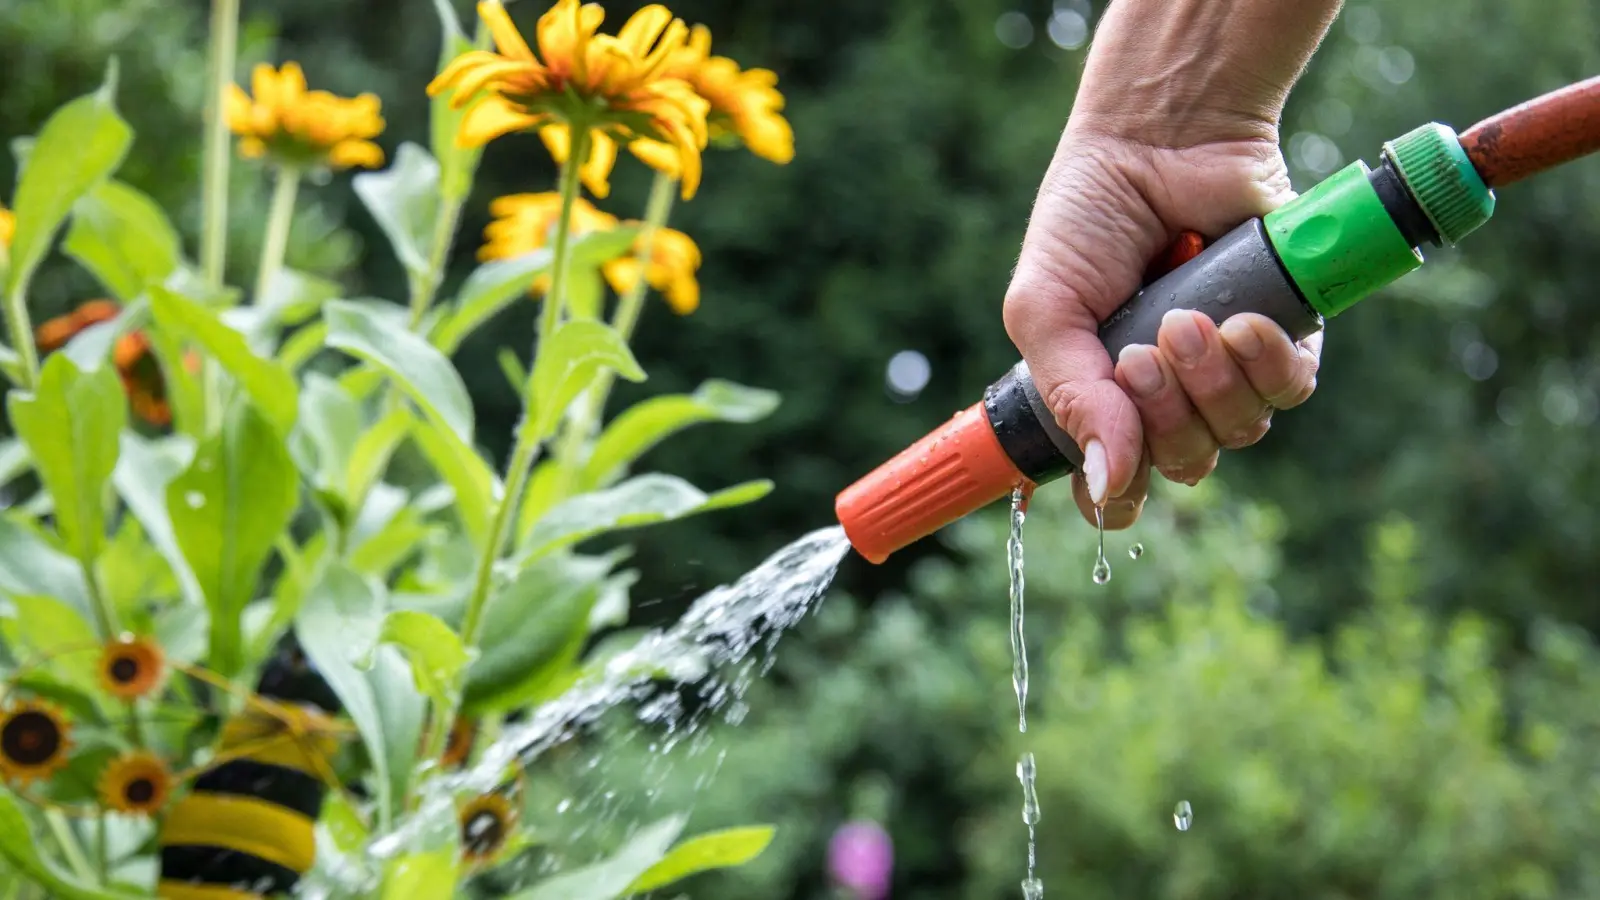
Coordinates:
<point>1310,260</point>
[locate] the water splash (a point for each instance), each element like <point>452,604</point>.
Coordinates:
<point>719,630</point>
<point>1102,568</point>
<point>1027,773</point>
<point>1019,649</point>
<point>1183,815</point>
<point>1136,551</point>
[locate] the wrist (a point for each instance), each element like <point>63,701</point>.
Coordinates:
<point>1182,73</point>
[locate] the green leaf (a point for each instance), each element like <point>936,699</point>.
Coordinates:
<point>81,144</point>
<point>337,626</point>
<point>595,248</point>
<point>533,629</point>
<point>416,366</point>
<point>429,874</point>
<point>183,388</point>
<point>31,565</point>
<point>48,629</point>
<point>436,654</point>
<point>144,469</point>
<point>378,553</point>
<point>70,424</point>
<point>586,292</point>
<point>458,163</point>
<point>20,847</point>
<point>325,436</point>
<point>343,823</point>
<point>714,850</point>
<point>370,455</point>
<point>609,878</point>
<point>467,474</point>
<point>511,367</point>
<point>227,509</point>
<point>123,238</point>
<point>14,460</point>
<point>402,712</point>
<point>404,200</point>
<point>646,424</point>
<point>575,355</point>
<point>489,289</point>
<point>643,500</point>
<point>268,383</point>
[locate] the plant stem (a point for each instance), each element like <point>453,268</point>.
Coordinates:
<point>526,448</point>
<point>214,187</point>
<point>581,427</point>
<point>16,309</point>
<point>426,286</point>
<point>280,216</point>
<point>104,615</point>
<point>70,848</point>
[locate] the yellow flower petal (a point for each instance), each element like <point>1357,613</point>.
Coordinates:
<point>596,171</point>
<point>264,84</point>
<point>661,157</point>
<point>453,71</point>
<point>236,108</point>
<point>474,80</point>
<point>291,84</point>
<point>557,139</point>
<point>252,148</point>
<point>348,154</point>
<point>506,35</point>
<point>683,295</point>
<point>490,118</point>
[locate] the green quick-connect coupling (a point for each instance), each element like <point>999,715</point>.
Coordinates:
<point>1444,182</point>
<point>1338,241</point>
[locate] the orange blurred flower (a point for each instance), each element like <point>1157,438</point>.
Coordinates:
<point>131,355</point>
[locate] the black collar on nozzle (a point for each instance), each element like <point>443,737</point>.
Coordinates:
<point>1027,430</point>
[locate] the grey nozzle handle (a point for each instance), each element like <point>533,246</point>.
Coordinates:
<point>1240,273</point>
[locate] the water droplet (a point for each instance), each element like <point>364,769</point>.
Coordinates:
<point>1136,551</point>
<point>1026,773</point>
<point>1032,889</point>
<point>194,499</point>
<point>1102,568</point>
<point>564,805</point>
<point>1183,815</point>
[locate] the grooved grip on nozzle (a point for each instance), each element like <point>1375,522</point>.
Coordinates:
<point>951,471</point>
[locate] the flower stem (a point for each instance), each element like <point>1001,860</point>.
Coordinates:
<point>581,427</point>
<point>16,310</point>
<point>104,615</point>
<point>280,216</point>
<point>525,450</point>
<point>426,286</point>
<point>77,860</point>
<point>214,187</point>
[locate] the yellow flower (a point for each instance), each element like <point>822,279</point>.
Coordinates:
<point>302,127</point>
<point>8,228</point>
<point>674,259</point>
<point>611,85</point>
<point>745,105</point>
<point>526,222</point>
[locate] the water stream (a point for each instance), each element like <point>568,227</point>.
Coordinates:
<point>710,646</point>
<point>1027,771</point>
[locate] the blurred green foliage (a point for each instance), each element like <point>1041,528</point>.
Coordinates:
<point>1343,655</point>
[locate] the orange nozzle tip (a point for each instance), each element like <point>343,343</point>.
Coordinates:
<point>951,471</point>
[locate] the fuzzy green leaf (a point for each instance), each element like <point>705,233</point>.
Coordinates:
<point>81,144</point>
<point>723,849</point>
<point>70,424</point>
<point>227,509</point>
<point>412,363</point>
<point>268,383</point>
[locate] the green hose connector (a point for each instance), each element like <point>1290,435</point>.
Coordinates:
<point>1444,182</point>
<point>1338,242</point>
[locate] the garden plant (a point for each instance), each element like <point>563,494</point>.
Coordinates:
<point>263,585</point>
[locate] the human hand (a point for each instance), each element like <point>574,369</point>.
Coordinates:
<point>1109,205</point>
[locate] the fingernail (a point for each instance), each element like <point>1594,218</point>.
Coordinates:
<point>1242,339</point>
<point>1188,344</point>
<point>1139,366</point>
<point>1094,471</point>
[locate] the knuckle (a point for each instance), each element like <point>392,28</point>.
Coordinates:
<point>1188,472</point>
<point>1247,435</point>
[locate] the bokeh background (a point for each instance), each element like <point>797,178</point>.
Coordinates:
<point>1363,651</point>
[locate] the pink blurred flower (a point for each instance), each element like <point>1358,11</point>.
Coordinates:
<point>861,859</point>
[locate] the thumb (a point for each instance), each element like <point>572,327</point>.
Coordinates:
<point>1088,241</point>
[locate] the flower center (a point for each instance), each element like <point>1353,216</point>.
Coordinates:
<point>30,738</point>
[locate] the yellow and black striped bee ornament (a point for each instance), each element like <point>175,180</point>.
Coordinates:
<point>246,829</point>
